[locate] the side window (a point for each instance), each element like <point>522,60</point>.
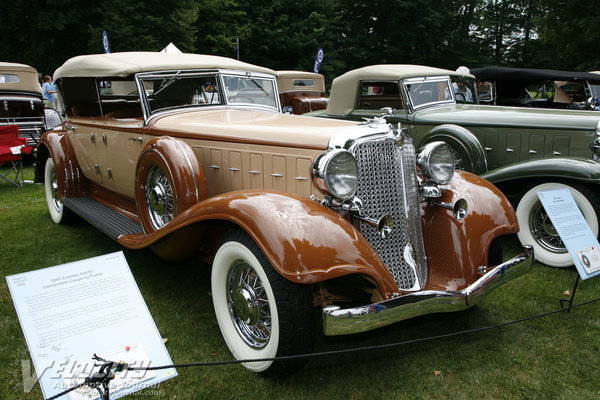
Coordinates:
<point>119,98</point>
<point>79,96</point>
<point>375,95</point>
<point>464,89</point>
<point>111,98</point>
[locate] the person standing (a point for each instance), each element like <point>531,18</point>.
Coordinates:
<point>49,91</point>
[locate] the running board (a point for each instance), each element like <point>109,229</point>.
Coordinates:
<point>109,221</point>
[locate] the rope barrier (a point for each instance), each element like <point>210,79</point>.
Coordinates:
<point>108,366</point>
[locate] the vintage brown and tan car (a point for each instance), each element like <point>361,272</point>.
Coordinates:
<point>187,153</point>
<point>301,92</point>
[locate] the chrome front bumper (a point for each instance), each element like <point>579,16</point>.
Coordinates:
<point>337,321</point>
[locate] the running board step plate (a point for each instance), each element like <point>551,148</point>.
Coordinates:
<point>102,217</point>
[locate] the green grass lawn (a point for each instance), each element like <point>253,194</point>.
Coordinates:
<point>555,357</point>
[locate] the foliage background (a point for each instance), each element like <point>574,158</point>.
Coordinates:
<point>281,34</point>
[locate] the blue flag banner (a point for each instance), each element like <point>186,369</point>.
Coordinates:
<point>105,44</point>
<point>318,61</point>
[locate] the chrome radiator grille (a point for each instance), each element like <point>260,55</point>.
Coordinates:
<point>387,184</point>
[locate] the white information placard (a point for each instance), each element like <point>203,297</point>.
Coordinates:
<point>574,231</point>
<point>72,311</point>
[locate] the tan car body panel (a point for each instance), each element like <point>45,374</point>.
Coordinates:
<point>236,149</point>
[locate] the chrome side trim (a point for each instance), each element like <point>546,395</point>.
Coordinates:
<point>337,321</point>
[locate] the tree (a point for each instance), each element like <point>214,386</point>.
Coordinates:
<point>286,35</point>
<point>148,25</point>
<point>569,33</point>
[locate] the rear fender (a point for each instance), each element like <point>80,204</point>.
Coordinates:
<point>303,240</point>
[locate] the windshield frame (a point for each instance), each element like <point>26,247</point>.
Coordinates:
<point>253,77</point>
<point>143,78</point>
<point>426,80</point>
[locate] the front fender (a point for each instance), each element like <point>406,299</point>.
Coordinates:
<point>579,169</point>
<point>303,240</point>
<point>456,248</point>
<point>463,142</point>
<point>56,144</point>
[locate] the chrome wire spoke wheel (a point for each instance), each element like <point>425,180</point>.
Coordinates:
<point>249,305</point>
<point>54,191</point>
<point>544,231</point>
<point>458,162</point>
<point>159,197</point>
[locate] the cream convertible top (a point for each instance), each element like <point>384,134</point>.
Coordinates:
<point>345,87</point>
<point>285,81</point>
<point>129,63</point>
<point>27,77</point>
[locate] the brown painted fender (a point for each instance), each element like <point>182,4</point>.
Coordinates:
<point>305,241</point>
<point>183,171</point>
<point>456,248</point>
<point>69,177</point>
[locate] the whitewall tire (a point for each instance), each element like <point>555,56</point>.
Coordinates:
<point>536,229</point>
<point>58,212</point>
<point>260,314</point>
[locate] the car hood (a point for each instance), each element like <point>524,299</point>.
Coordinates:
<point>251,126</point>
<point>481,115</point>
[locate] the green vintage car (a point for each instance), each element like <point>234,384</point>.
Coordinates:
<point>520,150</point>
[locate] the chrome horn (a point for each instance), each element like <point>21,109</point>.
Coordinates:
<point>459,208</point>
<point>384,225</point>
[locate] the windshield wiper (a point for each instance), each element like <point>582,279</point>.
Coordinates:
<point>258,85</point>
<point>169,82</point>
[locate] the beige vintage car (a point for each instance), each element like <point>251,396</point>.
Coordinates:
<point>21,100</point>
<point>301,92</point>
<point>185,153</point>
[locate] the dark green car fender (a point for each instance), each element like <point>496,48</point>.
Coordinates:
<point>573,168</point>
<point>464,143</point>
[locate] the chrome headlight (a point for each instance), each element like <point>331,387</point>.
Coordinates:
<point>335,173</point>
<point>436,162</point>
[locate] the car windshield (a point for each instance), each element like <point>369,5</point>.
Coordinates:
<point>429,92</point>
<point>175,90</point>
<point>190,89</point>
<point>250,90</point>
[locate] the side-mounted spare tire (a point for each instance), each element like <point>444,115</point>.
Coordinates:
<point>536,229</point>
<point>468,153</point>
<point>169,180</point>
